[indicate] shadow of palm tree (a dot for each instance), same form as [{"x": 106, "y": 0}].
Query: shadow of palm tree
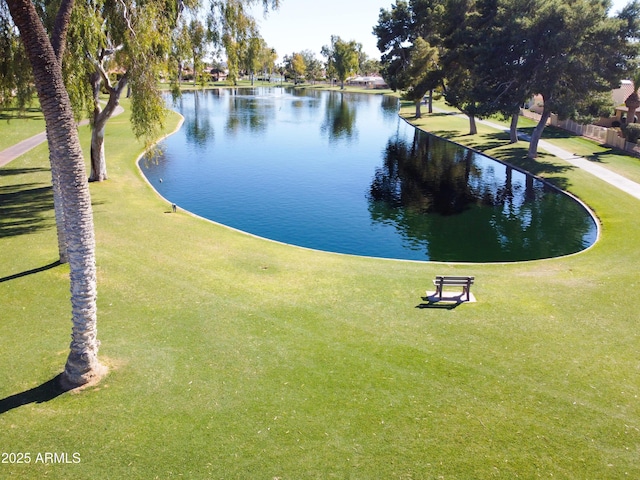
[
  {"x": 30, "y": 272},
  {"x": 40, "y": 394},
  {"x": 23, "y": 171},
  {"x": 9, "y": 114},
  {"x": 23, "y": 209}
]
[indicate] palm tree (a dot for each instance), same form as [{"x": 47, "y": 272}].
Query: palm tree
[
  {"x": 68, "y": 170},
  {"x": 633, "y": 101}
]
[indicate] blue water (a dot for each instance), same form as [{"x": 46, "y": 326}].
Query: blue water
[{"x": 343, "y": 173}]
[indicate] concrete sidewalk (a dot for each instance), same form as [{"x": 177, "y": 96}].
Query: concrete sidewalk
[
  {"x": 20, "y": 148},
  {"x": 24, "y": 146},
  {"x": 618, "y": 181}
]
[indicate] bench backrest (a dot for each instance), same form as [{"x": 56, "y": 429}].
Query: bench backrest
[{"x": 451, "y": 280}]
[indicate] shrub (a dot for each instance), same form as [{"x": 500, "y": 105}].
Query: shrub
[{"x": 632, "y": 132}]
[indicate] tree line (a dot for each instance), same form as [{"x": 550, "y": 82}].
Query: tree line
[{"x": 489, "y": 57}]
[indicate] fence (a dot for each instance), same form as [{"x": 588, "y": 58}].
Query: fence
[{"x": 606, "y": 136}]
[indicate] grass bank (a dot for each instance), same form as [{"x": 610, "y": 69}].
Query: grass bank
[{"x": 236, "y": 357}]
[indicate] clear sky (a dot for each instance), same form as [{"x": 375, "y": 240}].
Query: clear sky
[{"x": 308, "y": 25}]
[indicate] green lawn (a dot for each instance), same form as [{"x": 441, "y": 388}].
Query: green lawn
[
  {"x": 233, "y": 357},
  {"x": 17, "y": 126}
]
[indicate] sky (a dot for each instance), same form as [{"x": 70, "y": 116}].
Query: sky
[{"x": 304, "y": 25}]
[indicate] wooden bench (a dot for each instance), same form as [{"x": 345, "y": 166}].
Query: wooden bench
[{"x": 449, "y": 281}]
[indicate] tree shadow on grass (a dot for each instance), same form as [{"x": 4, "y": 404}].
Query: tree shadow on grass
[
  {"x": 24, "y": 209},
  {"x": 30, "y": 113},
  {"x": 488, "y": 141},
  {"x": 596, "y": 157},
  {"x": 40, "y": 394},
  {"x": 553, "y": 173},
  {"x": 30, "y": 272},
  {"x": 23, "y": 171}
]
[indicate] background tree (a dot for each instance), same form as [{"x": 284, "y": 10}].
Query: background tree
[
  {"x": 118, "y": 37},
  {"x": 178, "y": 56},
  {"x": 198, "y": 41},
  {"x": 252, "y": 58},
  {"x": 298, "y": 66},
  {"x": 342, "y": 58},
  {"x": 500, "y": 50},
  {"x": 398, "y": 31},
  {"x": 369, "y": 66},
  {"x": 574, "y": 49},
  {"x": 313, "y": 66},
  {"x": 460, "y": 29},
  {"x": 632, "y": 102},
  {"x": 422, "y": 62},
  {"x": 268, "y": 57},
  {"x": 16, "y": 82}
]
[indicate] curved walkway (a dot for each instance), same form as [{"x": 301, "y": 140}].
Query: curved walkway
[
  {"x": 20, "y": 148},
  {"x": 24, "y": 146},
  {"x": 617, "y": 180}
]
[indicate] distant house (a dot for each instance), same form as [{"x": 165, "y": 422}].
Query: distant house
[
  {"x": 219, "y": 74},
  {"x": 618, "y": 95},
  {"x": 373, "y": 82}
]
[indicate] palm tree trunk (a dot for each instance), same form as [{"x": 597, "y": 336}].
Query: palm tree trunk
[
  {"x": 59, "y": 216},
  {"x": 67, "y": 161}
]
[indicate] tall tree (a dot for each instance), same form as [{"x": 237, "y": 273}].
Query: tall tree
[
  {"x": 573, "y": 49},
  {"x": 395, "y": 34},
  {"x": 422, "y": 62},
  {"x": 67, "y": 164},
  {"x": 198, "y": 43},
  {"x": 410, "y": 43},
  {"x": 459, "y": 32},
  {"x": 313, "y": 66},
  {"x": 500, "y": 49},
  {"x": 253, "y": 56},
  {"x": 122, "y": 37},
  {"x": 342, "y": 57},
  {"x": 298, "y": 66}
]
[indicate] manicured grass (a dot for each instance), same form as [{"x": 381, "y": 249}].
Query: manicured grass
[
  {"x": 236, "y": 357},
  {"x": 16, "y": 126}
]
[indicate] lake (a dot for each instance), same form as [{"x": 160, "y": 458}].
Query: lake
[{"x": 341, "y": 172}]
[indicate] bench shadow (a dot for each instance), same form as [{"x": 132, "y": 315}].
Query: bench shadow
[
  {"x": 441, "y": 305},
  {"x": 40, "y": 394}
]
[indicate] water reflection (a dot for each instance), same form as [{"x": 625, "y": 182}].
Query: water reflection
[
  {"x": 197, "y": 124},
  {"x": 247, "y": 114},
  {"x": 339, "y": 118},
  {"x": 456, "y": 204},
  {"x": 341, "y": 172}
]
